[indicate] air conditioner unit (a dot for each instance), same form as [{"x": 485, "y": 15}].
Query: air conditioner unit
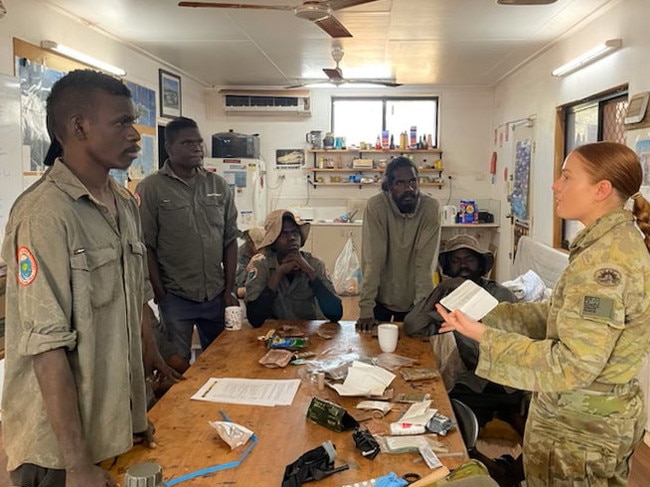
[{"x": 258, "y": 102}]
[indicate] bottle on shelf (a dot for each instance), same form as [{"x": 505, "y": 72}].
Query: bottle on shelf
[
  {"x": 429, "y": 141},
  {"x": 391, "y": 146},
  {"x": 403, "y": 138},
  {"x": 413, "y": 140},
  {"x": 378, "y": 143}
]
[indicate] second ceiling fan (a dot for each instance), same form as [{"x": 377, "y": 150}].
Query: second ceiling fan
[
  {"x": 335, "y": 75},
  {"x": 318, "y": 12}
]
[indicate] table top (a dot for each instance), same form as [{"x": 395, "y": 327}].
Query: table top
[{"x": 187, "y": 443}]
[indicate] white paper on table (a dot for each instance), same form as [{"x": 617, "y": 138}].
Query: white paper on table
[
  {"x": 471, "y": 299},
  {"x": 418, "y": 413},
  {"x": 364, "y": 380},
  {"x": 256, "y": 392}
]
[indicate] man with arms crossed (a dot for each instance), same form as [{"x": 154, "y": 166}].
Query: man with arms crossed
[
  {"x": 401, "y": 234},
  {"x": 74, "y": 389}
]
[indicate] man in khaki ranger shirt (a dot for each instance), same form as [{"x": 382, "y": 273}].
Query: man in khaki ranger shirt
[
  {"x": 74, "y": 390},
  {"x": 190, "y": 228}
]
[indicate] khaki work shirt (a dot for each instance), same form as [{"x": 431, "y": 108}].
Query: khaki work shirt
[
  {"x": 77, "y": 279},
  {"x": 188, "y": 226},
  {"x": 295, "y": 298}
]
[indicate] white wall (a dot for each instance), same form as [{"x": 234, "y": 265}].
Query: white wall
[
  {"x": 467, "y": 120},
  {"x": 533, "y": 91},
  {"x": 465, "y": 128}
]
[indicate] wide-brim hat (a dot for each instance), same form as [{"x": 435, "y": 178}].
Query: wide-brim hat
[
  {"x": 256, "y": 235},
  {"x": 273, "y": 227},
  {"x": 464, "y": 241}
]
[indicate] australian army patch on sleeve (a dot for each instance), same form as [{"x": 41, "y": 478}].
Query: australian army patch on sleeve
[
  {"x": 597, "y": 307},
  {"x": 27, "y": 266}
]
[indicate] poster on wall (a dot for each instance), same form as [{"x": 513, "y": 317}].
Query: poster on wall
[
  {"x": 36, "y": 83},
  {"x": 642, "y": 148},
  {"x": 521, "y": 186},
  {"x": 144, "y": 104}
]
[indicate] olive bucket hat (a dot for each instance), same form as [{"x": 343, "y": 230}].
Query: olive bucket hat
[
  {"x": 464, "y": 241},
  {"x": 273, "y": 227}
]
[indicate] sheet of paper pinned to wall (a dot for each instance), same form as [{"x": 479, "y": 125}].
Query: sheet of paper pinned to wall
[
  {"x": 471, "y": 299},
  {"x": 11, "y": 174}
]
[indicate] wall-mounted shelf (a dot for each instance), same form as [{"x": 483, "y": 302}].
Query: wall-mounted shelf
[
  {"x": 324, "y": 163},
  {"x": 376, "y": 151}
]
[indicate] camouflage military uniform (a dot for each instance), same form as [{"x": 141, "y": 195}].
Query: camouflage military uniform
[{"x": 580, "y": 355}]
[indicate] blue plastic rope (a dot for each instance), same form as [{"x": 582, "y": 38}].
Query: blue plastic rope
[{"x": 215, "y": 468}]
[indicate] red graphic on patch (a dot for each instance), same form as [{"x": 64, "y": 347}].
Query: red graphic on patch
[{"x": 27, "y": 266}]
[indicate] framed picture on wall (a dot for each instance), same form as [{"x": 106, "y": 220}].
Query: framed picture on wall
[
  {"x": 289, "y": 158},
  {"x": 169, "y": 90}
]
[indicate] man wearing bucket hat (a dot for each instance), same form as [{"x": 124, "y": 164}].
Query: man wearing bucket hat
[
  {"x": 284, "y": 282},
  {"x": 461, "y": 258},
  {"x": 253, "y": 238}
]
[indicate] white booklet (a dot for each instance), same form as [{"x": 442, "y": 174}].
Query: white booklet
[{"x": 471, "y": 299}]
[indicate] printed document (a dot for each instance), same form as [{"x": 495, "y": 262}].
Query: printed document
[
  {"x": 255, "y": 392},
  {"x": 471, "y": 299}
]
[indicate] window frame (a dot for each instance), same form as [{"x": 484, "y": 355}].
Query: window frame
[
  {"x": 385, "y": 99},
  {"x": 561, "y": 142}
]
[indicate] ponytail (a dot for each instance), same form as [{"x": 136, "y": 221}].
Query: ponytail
[{"x": 641, "y": 211}]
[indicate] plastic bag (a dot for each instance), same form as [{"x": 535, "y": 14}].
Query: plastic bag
[{"x": 347, "y": 271}]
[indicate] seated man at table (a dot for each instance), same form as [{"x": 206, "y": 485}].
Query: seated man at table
[
  {"x": 462, "y": 258},
  {"x": 284, "y": 282}
]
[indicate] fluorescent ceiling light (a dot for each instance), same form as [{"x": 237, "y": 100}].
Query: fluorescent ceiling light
[
  {"x": 83, "y": 58},
  {"x": 588, "y": 57}
]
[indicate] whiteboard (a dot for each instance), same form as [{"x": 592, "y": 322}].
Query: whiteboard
[{"x": 11, "y": 176}]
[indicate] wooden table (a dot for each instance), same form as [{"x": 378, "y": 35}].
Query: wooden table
[{"x": 186, "y": 442}]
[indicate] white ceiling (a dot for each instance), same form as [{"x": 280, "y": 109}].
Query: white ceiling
[{"x": 442, "y": 42}]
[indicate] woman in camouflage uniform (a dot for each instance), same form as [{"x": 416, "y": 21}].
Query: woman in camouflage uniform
[{"x": 580, "y": 352}]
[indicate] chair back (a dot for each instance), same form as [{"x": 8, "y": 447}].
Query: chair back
[{"x": 467, "y": 422}]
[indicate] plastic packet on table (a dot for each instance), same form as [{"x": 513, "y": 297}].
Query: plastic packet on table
[
  {"x": 232, "y": 433},
  {"x": 391, "y": 361},
  {"x": 411, "y": 443},
  {"x": 335, "y": 368},
  {"x": 440, "y": 424}
]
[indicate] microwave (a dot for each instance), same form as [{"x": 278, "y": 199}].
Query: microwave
[{"x": 232, "y": 144}]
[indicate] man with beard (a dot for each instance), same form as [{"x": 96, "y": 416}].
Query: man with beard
[
  {"x": 461, "y": 258},
  {"x": 190, "y": 229},
  {"x": 401, "y": 234},
  {"x": 284, "y": 282}
]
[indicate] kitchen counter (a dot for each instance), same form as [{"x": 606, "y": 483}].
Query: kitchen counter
[{"x": 338, "y": 224}]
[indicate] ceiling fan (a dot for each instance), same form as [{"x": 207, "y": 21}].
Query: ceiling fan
[
  {"x": 335, "y": 75},
  {"x": 319, "y": 12}
]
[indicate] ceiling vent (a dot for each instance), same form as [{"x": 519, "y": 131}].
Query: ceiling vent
[{"x": 266, "y": 102}]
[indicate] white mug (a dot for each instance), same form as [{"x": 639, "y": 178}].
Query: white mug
[
  {"x": 387, "y": 334},
  {"x": 448, "y": 214},
  {"x": 233, "y": 318}
]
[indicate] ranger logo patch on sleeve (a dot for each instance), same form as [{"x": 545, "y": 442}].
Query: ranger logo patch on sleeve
[
  {"x": 607, "y": 276},
  {"x": 597, "y": 307}
]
